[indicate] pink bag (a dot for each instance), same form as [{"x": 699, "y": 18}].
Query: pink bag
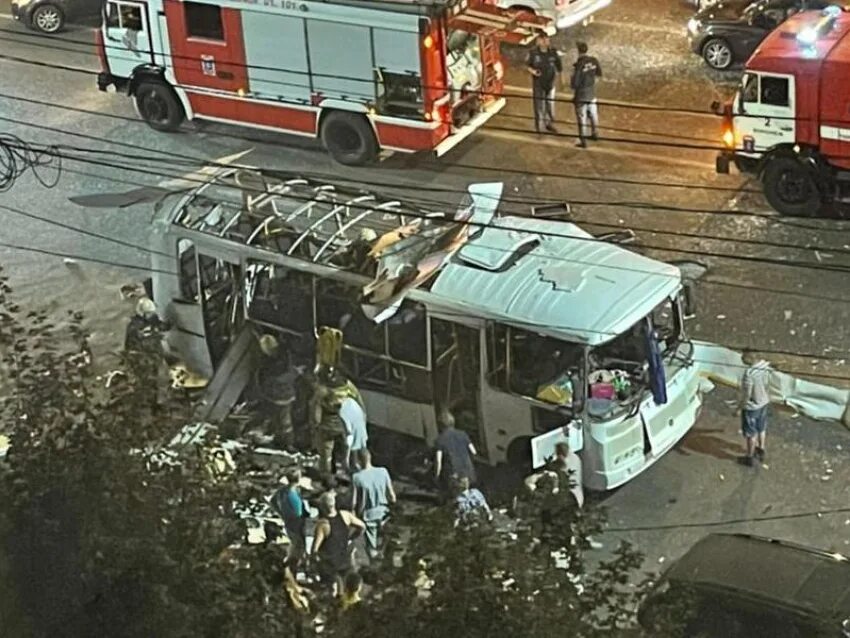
[{"x": 602, "y": 391}]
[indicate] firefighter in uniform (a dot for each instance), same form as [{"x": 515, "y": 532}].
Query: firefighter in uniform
[
  {"x": 143, "y": 347},
  {"x": 276, "y": 381},
  {"x": 330, "y": 390},
  {"x": 145, "y": 330}
]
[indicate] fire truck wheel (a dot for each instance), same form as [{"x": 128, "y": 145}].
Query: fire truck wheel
[
  {"x": 48, "y": 18},
  {"x": 790, "y": 187},
  {"x": 158, "y": 106},
  {"x": 717, "y": 54},
  {"x": 349, "y": 138}
]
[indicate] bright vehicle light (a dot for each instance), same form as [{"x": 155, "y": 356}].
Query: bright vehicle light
[
  {"x": 428, "y": 42},
  {"x": 729, "y": 138},
  {"x": 808, "y": 36},
  {"x": 693, "y": 26}
]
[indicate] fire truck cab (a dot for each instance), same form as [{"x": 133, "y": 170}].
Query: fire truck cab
[
  {"x": 361, "y": 75},
  {"x": 789, "y": 122}
]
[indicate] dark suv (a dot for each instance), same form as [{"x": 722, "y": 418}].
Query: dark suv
[
  {"x": 50, "y": 16},
  {"x": 741, "y": 586},
  {"x": 728, "y": 32}
]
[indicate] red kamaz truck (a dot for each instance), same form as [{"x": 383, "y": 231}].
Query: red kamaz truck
[{"x": 789, "y": 122}]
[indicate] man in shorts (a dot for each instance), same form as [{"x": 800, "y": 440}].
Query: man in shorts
[{"x": 754, "y": 401}]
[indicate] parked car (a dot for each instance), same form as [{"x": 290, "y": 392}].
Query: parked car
[
  {"x": 51, "y": 16},
  {"x": 727, "y": 32},
  {"x": 563, "y": 13},
  {"x": 741, "y": 586}
]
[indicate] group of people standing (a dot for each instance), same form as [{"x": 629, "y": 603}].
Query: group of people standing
[
  {"x": 330, "y": 553},
  {"x": 545, "y": 66}
]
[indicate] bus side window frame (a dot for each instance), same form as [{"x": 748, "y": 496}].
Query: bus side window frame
[{"x": 194, "y": 291}]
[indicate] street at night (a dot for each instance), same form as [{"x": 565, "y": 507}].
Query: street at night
[{"x": 770, "y": 283}]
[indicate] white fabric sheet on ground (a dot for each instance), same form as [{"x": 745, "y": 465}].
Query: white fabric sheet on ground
[{"x": 815, "y": 400}]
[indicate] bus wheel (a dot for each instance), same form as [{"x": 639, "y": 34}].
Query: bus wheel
[
  {"x": 158, "y": 106},
  {"x": 349, "y": 138},
  {"x": 790, "y": 187}
]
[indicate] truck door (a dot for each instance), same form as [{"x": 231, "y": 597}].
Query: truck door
[
  {"x": 766, "y": 111},
  {"x": 207, "y": 46},
  {"x": 127, "y": 35}
]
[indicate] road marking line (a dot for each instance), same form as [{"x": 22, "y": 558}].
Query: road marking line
[
  {"x": 512, "y": 88},
  {"x": 6, "y": 16},
  {"x": 567, "y": 144}
]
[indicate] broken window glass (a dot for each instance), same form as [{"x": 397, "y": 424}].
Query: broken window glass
[
  {"x": 338, "y": 306},
  {"x": 281, "y": 297},
  {"x": 188, "y": 270},
  {"x": 456, "y": 374},
  {"x": 667, "y": 321},
  {"x": 617, "y": 375},
  {"x": 222, "y": 302},
  {"x": 407, "y": 334},
  {"x": 525, "y": 363}
]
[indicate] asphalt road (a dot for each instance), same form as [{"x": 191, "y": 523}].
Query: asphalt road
[{"x": 645, "y": 174}]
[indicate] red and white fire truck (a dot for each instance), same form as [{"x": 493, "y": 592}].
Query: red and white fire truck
[
  {"x": 361, "y": 75},
  {"x": 789, "y": 122}
]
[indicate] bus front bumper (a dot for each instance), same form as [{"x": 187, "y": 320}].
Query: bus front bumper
[{"x": 462, "y": 132}]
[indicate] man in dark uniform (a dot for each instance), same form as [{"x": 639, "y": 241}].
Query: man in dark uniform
[
  {"x": 544, "y": 65},
  {"x": 145, "y": 330},
  {"x": 143, "y": 348},
  {"x": 276, "y": 382}
]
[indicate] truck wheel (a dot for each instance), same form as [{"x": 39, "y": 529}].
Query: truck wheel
[
  {"x": 158, "y": 106},
  {"x": 523, "y": 13},
  {"x": 349, "y": 138},
  {"x": 790, "y": 187},
  {"x": 717, "y": 54}
]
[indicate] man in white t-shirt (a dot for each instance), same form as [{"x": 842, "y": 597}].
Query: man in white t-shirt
[
  {"x": 373, "y": 494},
  {"x": 354, "y": 418}
]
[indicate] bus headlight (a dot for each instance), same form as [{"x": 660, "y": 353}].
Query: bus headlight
[{"x": 729, "y": 138}]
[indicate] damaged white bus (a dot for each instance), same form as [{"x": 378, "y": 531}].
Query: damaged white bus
[{"x": 530, "y": 331}]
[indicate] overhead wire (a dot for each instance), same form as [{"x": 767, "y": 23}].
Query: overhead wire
[
  {"x": 666, "y": 249},
  {"x": 365, "y": 97},
  {"x": 242, "y": 137},
  {"x": 351, "y": 79},
  {"x": 638, "y": 142},
  {"x": 783, "y": 262},
  {"x": 506, "y": 199},
  {"x": 726, "y": 284},
  {"x": 370, "y": 81},
  {"x": 727, "y": 522},
  {"x": 822, "y": 357},
  {"x": 428, "y": 202},
  {"x": 17, "y": 157}
]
